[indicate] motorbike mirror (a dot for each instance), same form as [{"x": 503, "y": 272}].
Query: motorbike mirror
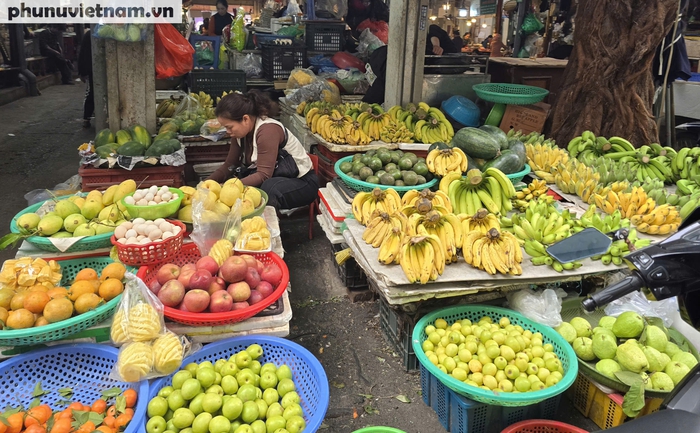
[{"x": 586, "y": 243}]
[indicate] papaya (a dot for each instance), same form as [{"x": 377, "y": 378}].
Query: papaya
[
  {"x": 189, "y": 127},
  {"x": 141, "y": 135},
  {"x": 169, "y": 127},
  {"x": 103, "y": 137},
  {"x": 165, "y": 135},
  {"x": 131, "y": 148},
  {"x": 123, "y": 136},
  {"x": 107, "y": 149}
]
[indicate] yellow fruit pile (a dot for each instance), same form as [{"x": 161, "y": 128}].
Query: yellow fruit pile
[
  {"x": 543, "y": 159},
  {"x": 254, "y": 235},
  {"x": 662, "y": 220},
  {"x": 218, "y": 199},
  {"x": 443, "y": 161},
  {"x": 493, "y": 252}
]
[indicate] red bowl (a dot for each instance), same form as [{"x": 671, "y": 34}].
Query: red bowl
[
  {"x": 345, "y": 60},
  {"x": 190, "y": 254}
]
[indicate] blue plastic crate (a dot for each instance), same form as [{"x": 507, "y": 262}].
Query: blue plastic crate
[{"x": 458, "y": 414}]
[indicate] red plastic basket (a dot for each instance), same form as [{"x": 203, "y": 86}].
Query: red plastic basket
[
  {"x": 190, "y": 254},
  {"x": 542, "y": 426},
  {"x": 154, "y": 252}
]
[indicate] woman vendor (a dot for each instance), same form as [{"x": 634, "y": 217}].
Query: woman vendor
[{"x": 220, "y": 19}]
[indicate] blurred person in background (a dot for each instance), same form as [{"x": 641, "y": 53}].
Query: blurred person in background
[
  {"x": 50, "y": 47},
  {"x": 220, "y": 19}
]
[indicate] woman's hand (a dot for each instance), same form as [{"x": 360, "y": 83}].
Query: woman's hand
[{"x": 437, "y": 49}]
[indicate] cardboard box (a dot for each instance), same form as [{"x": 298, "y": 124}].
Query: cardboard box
[{"x": 525, "y": 118}]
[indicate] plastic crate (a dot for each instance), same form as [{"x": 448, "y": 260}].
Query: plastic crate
[
  {"x": 606, "y": 410},
  {"x": 103, "y": 178},
  {"x": 280, "y": 60},
  {"x": 652, "y": 405},
  {"x": 460, "y": 414},
  {"x": 398, "y": 332},
  {"x": 349, "y": 272},
  {"x": 265, "y": 38},
  {"x": 581, "y": 394},
  {"x": 206, "y": 154},
  {"x": 215, "y": 82},
  {"x": 325, "y": 36}
]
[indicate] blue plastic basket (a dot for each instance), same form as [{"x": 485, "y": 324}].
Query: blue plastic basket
[
  {"x": 307, "y": 372},
  {"x": 83, "y": 367}
]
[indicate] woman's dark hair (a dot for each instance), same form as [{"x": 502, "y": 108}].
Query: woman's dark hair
[
  {"x": 205, "y": 22},
  {"x": 223, "y": 3},
  {"x": 235, "y": 105}
]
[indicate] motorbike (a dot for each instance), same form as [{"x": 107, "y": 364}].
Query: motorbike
[{"x": 668, "y": 268}]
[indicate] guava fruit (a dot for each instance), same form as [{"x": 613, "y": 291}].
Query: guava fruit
[
  {"x": 661, "y": 381},
  {"x": 676, "y": 371},
  {"x": 606, "y": 322},
  {"x": 631, "y": 357},
  {"x": 567, "y": 331},
  {"x": 582, "y": 326},
  {"x": 608, "y": 367},
  {"x": 656, "y": 338},
  {"x": 686, "y": 358},
  {"x": 583, "y": 346},
  {"x": 604, "y": 346},
  {"x": 628, "y": 325},
  {"x": 671, "y": 349},
  {"x": 656, "y": 359}
]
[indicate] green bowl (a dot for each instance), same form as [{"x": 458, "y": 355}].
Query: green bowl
[
  {"x": 517, "y": 177},
  {"x": 162, "y": 210},
  {"x": 379, "y": 430}
]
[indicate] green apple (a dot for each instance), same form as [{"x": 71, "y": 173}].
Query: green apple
[
  {"x": 165, "y": 391},
  {"x": 295, "y": 424},
  {"x": 219, "y": 424},
  {"x": 268, "y": 366},
  {"x": 201, "y": 423},
  {"x": 522, "y": 384},
  {"x": 158, "y": 406},
  {"x": 291, "y": 411},
  {"x": 284, "y": 372},
  {"x": 255, "y": 351},
  {"x": 290, "y": 398},
  {"x": 171, "y": 427},
  {"x": 274, "y": 423},
  {"x": 183, "y": 418},
  {"x": 196, "y": 404},
  {"x": 268, "y": 380},
  {"x": 243, "y": 428},
  {"x": 229, "y": 384},
  {"x": 247, "y": 392},
  {"x": 180, "y": 377},
  {"x": 156, "y": 424},
  {"x": 215, "y": 389},
  {"x": 175, "y": 400},
  {"x": 206, "y": 364},
  {"x": 245, "y": 377},
  {"x": 190, "y": 388},
  {"x": 250, "y": 412},
  {"x": 232, "y": 408},
  {"x": 235, "y": 425},
  {"x": 206, "y": 376},
  {"x": 192, "y": 368},
  {"x": 243, "y": 359},
  {"x": 212, "y": 402},
  {"x": 255, "y": 366},
  {"x": 229, "y": 369},
  {"x": 258, "y": 426},
  {"x": 284, "y": 386},
  {"x": 274, "y": 409},
  {"x": 262, "y": 408},
  {"x": 217, "y": 378},
  {"x": 219, "y": 364}
]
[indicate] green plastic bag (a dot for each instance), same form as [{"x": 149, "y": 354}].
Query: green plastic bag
[
  {"x": 531, "y": 24},
  {"x": 238, "y": 33},
  {"x": 204, "y": 52}
]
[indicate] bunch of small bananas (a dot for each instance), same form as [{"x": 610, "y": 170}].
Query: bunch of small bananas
[
  {"x": 422, "y": 258},
  {"x": 395, "y": 132},
  {"x": 688, "y": 204},
  {"x": 577, "y": 178},
  {"x": 365, "y": 203},
  {"x": 482, "y": 221},
  {"x": 621, "y": 247},
  {"x": 535, "y": 189},
  {"x": 428, "y": 124},
  {"x": 543, "y": 158},
  {"x": 373, "y": 121},
  {"x": 225, "y": 93},
  {"x": 490, "y": 189},
  {"x": 443, "y": 161},
  {"x": 644, "y": 164},
  {"x": 662, "y": 220},
  {"x": 447, "y": 227},
  {"x": 630, "y": 204},
  {"x": 166, "y": 108},
  {"x": 333, "y": 127},
  {"x": 381, "y": 225},
  {"x": 687, "y": 186},
  {"x": 493, "y": 252},
  {"x": 541, "y": 222},
  {"x": 438, "y": 198},
  {"x": 531, "y": 138},
  {"x": 390, "y": 249},
  {"x": 588, "y": 145},
  {"x": 686, "y": 163},
  {"x": 612, "y": 170},
  {"x": 539, "y": 256},
  {"x": 354, "y": 135},
  {"x": 203, "y": 99},
  {"x": 606, "y": 224},
  {"x": 422, "y": 206}
]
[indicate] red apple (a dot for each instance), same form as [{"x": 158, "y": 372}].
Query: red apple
[
  {"x": 196, "y": 300},
  {"x": 272, "y": 274},
  {"x": 252, "y": 278},
  {"x": 220, "y": 302},
  {"x": 155, "y": 287},
  {"x": 201, "y": 279},
  {"x": 208, "y": 263},
  {"x": 167, "y": 272},
  {"x": 250, "y": 260},
  {"x": 182, "y": 307},
  {"x": 172, "y": 293},
  {"x": 239, "y": 291},
  {"x": 240, "y": 305},
  {"x": 261, "y": 266},
  {"x": 233, "y": 269},
  {"x": 217, "y": 283},
  {"x": 255, "y": 297},
  {"x": 265, "y": 288},
  {"x": 185, "y": 274}
]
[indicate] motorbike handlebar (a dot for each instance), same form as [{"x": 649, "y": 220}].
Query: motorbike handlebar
[{"x": 627, "y": 285}]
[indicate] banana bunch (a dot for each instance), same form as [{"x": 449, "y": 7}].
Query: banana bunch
[
  {"x": 447, "y": 227},
  {"x": 422, "y": 258},
  {"x": 588, "y": 144},
  {"x": 541, "y": 222},
  {"x": 612, "y": 170},
  {"x": 531, "y": 138},
  {"x": 372, "y": 125},
  {"x": 203, "y": 99},
  {"x": 299, "y": 110},
  {"x": 354, "y": 109},
  {"x": 655, "y": 189},
  {"x": 490, "y": 189},
  {"x": 539, "y": 256},
  {"x": 690, "y": 204},
  {"x": 381, "y": 225},
  {"x": 630, "y": 204},
  {"x": 574, "y": 177},
  {"x": 225, "y": 93},
  {"x": 354, "y": 135},
  {"x": 535, "y": 189},
  {"x": 321, "y": 105},
  {"x": 443, "y": 161},
  {"x": 395, "y": 132},
  {"x": 482, "y": 221},
  {"x": 686, "y": 163},
  {"x": 166, "y": 108},
  {"x": 422, "y": 206},
  {"x": 435, "y": 128},
  {"x": 621, "y": 247},
  {"x": 608, "y": 223},
  {"x": 521, "y": 205},
  {"x": 645, "y": 164},
  {"x": 493, "y": 252},
  {"x": 662, "y": 220},
  {"x": 333, "y": 127},
  {"x": 687, "y": 186},
  {"x": 390, "y": 249},
  {"x": 438, "y": 198},
  {"x": 365, "y": 203},
  {"x": 543, "y": 158}
]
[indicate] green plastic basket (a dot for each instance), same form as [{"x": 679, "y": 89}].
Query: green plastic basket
[
  {"x": 65, "y": 328},
  {"x": 87, "y": 243},
  {"x": 359, "y": 185},
  {"x": 162, "y": 210},
  {"x": 379, "y": 430},
  {"x": 517, "y": 177},
  {"x": 475, "y": 312},
  {"x": 511, "y": 94},
  {"x": 572, "y": 308}
]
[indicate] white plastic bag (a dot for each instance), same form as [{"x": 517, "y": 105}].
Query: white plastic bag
[
  {"x": 543, "y": 307},
  {"x": 292, "y": 8},
  {"x": 636, "y": 301},
  {"x": 210, "y": 222}
]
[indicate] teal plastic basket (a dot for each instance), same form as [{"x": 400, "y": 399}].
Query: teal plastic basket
[
  {"x": 475, "y": 312},
  {"x": 359, "y": 185},
  {"x": 87, "y": 243},
  {"x": 65, "y": 328},
  {"x": 511, "y": 94},
  {"x": 517, "y": 177}
]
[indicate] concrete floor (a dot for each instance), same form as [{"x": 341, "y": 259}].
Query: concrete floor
[{"x": 38, "y": 149}]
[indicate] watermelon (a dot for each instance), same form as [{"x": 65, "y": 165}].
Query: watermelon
[
  {"x": 499, "y": 135},
  {"x": 476, "y": 143}
]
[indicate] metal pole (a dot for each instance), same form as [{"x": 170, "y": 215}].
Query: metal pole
[
  {"x": 522, "y": 9},
  {"x": 99, "y": 77},
  {"x": 18, "y": 58}
]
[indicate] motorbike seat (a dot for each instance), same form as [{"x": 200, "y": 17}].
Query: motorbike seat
[{"x": 661, "y": 421}]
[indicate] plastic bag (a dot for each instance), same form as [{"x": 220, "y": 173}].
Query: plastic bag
[
  {"x": 148, "y": 349},
  {"x": 541, "y": 306},
  {"x": 331, "y": 9},
  {"x": 353, "y": 81},
  {"x": 292, "y": 8},
  {"x": 204, "y": 53},
  {"x": 531, "y": 24},
  {"x": 188, "y": 105},
  {"x": 120, "y": 32},
  {"x": 223, "y": 57},
  {"x": 238, "y": 32},
  {"x": 368, "y": 43},
  {"x": 304, "y": 85},
  {"x": 21, "y": 274},
  {"x": 172, "y": 52},
  {"x": 252, "y": 65},
  {"x": 212, "y": 130},
  {"x": 636, "y": 301},
  {"x": 380, "y": 29},
  {"x": 69, "y": 187},
  {"x": 210, "y": 222}
]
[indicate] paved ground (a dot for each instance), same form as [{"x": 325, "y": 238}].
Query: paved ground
[{"x": 38, "y": 141}]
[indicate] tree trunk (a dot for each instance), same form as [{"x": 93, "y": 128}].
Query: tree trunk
[{"x": 608, "y": 84}]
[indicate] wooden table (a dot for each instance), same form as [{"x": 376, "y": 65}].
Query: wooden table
[{"x": 546, "y": 73}]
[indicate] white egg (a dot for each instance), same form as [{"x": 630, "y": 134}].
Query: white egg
[
  {"x": 142, "y": 202},
  {"x": 159, "y": 221},
  {"x": 138, "y": 221},
  {"x": 176, "y": 229},
  {"x": 131, "y": 233},
  {"x": 139, "y": 237},
  {"x": 145, "y": 241},
  {"x": 138, "y": 195},
  {"x": 131, "y": 240},
  {"x": 146, "y": 229},
  {"x": 122, "y": 241},
  {"x": 129, "y": 200},
  {"x": 127, "y": 224},
  {"x": 165, "y": 227},
  {"x": 167, "y": 235},
  {"x": 164, "y": 189},
  {"x": 175, "y": 196},
  {"x": 158, "y": 240},
  {"x": 120, "y": 231},
  {"x": 153, "y": 189},
  {"x": 149, "y": 196},
  {"x": 158, "y": 199},
  {"x": 152, "y": 203},
  {"x": 155, "y": 234},
  {"x": 167, "y": 196}
]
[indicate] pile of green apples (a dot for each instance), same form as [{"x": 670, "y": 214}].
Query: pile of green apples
[
  {"x": 493, "y": 355},
  {"x": 231, "y": 395}
]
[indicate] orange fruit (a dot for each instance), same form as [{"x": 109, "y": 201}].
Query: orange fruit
[
  {"x": 87, "y": 302},
  {"x": 122, "y": 420},
  {"x": 110, "y": 289},
  {"x": 3, "y": 428},
  {"x": 109, "y": 421},
  {"x": 113, "y": 270},
  {"x": 3, "y": 315},
  {"x": 112, "y": 411},
  {"x": 18, "y": 300},
  {"x": 38, "y": 288},
  {"x": 58, "y": 309},
  {"x": 41, "y": 321},
  {"x": 42, "y": 413},
  {"x": 35, "y": 428},
  {"x": 86, "y": 274},
  {"x": 88, "y": 427},
  {"x": 16, "y": 422},
  {"x": 62, "y": 425},
  {"x": 20, "y": 319},
  {"x": 58, "y": 292},
  {"x": 80, "y": 287},
  {"x": 130, "y": 396},
  {"x": 103, "y": 429},
  {"x": 36, "y": 301},
  {"x": 99, "y": 406},
  {"x": 6, "y": 295}
]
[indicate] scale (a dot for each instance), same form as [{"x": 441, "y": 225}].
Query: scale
[{"x": 502, "y": 94}]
